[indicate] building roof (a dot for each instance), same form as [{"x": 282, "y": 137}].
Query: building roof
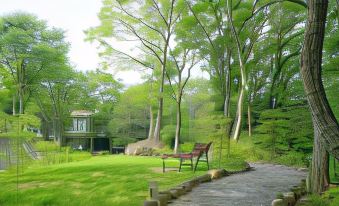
[{"x": 81, "y": 113}]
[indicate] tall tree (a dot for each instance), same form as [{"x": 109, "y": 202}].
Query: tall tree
[
  {"x": 184, "y": 59},
  {"x": 248, "y": 31},
  {"x": 28, "y": 49},
  {"x": 215, "y": 36},
  {"x": 325, "y": 124},
  {"x": 151, "y": 25}
]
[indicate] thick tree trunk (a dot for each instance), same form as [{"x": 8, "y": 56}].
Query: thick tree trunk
[
  {"x": 319, "y": 174},
  {"x": 178, "y": 128},
  {"x": 151, "y": 119},
  {"x": 311, "y": 59}
]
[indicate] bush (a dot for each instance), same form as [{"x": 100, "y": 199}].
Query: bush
[
  {"x": 292, "y": 158},
  {"x": 168, "y": 135},
  {"x": 122, "y": 141}
]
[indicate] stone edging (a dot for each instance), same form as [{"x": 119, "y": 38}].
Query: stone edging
[
  {"x": 291, "y": 198},
  {"x": 165, "y": 197}
]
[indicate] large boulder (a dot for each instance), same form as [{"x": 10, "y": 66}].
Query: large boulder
[{"x": 143, "y": 147}]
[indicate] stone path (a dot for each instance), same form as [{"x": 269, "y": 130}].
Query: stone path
[
  {"x": 255, "y": 188},
  {"x": 5, "y": 150}
]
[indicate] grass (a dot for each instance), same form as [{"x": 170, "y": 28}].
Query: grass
[
  {"x": 101, "y": 180},
  {"x": 329, "y": 198}
]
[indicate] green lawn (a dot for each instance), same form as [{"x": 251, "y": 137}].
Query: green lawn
[{"x": 101, "y": 180}]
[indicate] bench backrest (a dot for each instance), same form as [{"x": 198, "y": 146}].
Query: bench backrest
[{"x": 201, "y": 148}]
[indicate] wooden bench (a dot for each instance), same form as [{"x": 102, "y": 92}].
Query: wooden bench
[{"x": 200, "y": 152}]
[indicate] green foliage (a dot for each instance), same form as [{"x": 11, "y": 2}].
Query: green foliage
[
  {"x": 285, "y": 129},
  {"x": 130, "y": 117},
  {"x": 292, "y": 158},
  {"x": 168, "y": 135},
  {"x": 52, "y": 153},
  {"x": 122, "y": 141}
]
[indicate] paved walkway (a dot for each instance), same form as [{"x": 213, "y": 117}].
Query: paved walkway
[
  {"x": 5, "y": 150},
  {"x": 255, "y": 188}
]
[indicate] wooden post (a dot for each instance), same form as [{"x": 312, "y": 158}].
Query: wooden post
[
  {"x": 110, "y": 145},
  {"x": 153, "y": 190},
  {"x": 92, "y": 145}
]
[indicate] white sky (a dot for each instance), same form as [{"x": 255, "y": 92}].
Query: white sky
[{"x": 73, "y": 16}]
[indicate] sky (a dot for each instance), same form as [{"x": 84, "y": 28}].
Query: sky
[{"x": 73, "y": 16}]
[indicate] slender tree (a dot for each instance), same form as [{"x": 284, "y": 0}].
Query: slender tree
[{"x": 151, "y": 25}]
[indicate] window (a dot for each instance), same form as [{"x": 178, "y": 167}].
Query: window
[{"x": 79, "y": 124}]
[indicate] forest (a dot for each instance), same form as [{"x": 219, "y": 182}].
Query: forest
[{"x": 258, "y": 78}]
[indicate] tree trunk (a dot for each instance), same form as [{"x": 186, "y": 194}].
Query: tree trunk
[
  {"x": 240, "y": 106},
  {"x": 151, "y": 119},
  {"x": 319, "y": 174},
  {"x": 161, "y": 98},
  {"x": 45, "y": 129},
  {"x": 158, "y": 122},
  {"x": 58, "y": 130},
  {"x": 14, "y": 105},
  {"x": 21, "y": 100},
  {"x": 227, "y": 103},
  {"x": 311, "y": 59},
  {"x": 178, "y": 128},
  {"x": 249, "y": 119}
]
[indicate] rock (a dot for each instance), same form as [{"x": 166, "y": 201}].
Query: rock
[
  {"x": 289, "y": 198},
  {"x": 187, "y": 187},
  {"x": 180, "y": 189},
  {"x": 303, "y": 201},
  {"x": 248, "y": 167},
  {"x": 174, "y": 193},
  {"x": 303, "y": 169},
  {"x": 167, "y": 193},
  {"x": 297, "y": 191},
  {"x": 137, "y": 151},
  {"x": 279, "y": 202},
  {"x": 204, "y": 178},
  {"x": 162, "y": 198},
  {"x": 138, "y": 148},
  {"x": 151, "y": 203},
  {"x": 217, "y": 173}
]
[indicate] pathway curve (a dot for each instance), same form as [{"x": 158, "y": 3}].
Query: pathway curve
[{"x": 255, "y": 188}]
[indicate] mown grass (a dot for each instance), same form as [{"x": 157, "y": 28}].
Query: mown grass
[{"x": 101, "y": 180}]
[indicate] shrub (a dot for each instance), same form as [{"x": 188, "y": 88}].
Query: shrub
[{"x": 168, "y": 135}]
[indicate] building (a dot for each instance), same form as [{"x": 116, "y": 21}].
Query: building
[{"x": 82, "y": 134}]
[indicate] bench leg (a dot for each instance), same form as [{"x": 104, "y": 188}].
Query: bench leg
[
  {"x": 208, "y": 165},
  {"x": 192, "y": 163},
  {"x": 180, "y": 164},
  {"x": 196, "y": 164},
  {"x": 163, "y": 165}
]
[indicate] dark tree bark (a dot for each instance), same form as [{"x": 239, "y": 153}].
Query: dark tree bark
[
  {"x": 323, "y": 118},
  {"x": 319, "y": 174}
]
